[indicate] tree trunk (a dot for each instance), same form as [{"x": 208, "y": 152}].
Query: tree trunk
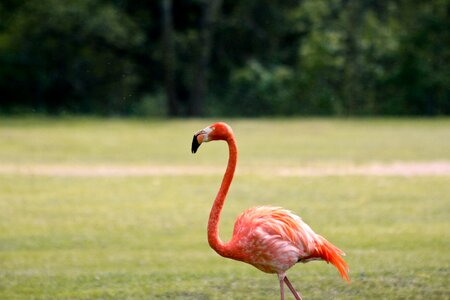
[
  {"x": 169, "y": 59},
  {"x": 352, "y": 87},
  {"x": 211, "y": 10}
]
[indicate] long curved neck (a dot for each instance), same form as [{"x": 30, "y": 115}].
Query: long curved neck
[{"x": 213, "y": 224}]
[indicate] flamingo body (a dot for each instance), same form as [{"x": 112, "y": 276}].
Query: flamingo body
[
  {"x": 274, "y": 239},
  {"x": 270, "y": 238}
]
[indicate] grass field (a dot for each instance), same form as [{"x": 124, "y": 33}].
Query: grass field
[{"x": 144, "y": 237}]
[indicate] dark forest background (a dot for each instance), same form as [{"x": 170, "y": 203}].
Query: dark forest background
[{"x": 225, "y": 57}]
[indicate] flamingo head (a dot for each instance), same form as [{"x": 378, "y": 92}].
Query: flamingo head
[{"x": 214, "y": 132}]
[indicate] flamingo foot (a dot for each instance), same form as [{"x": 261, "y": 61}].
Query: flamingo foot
[{"x": 294, "y": 292}]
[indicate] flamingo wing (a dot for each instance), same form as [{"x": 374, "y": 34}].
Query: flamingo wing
[
  {"x": 271, "y": 238},
  {"x": 274, "y": 239}
]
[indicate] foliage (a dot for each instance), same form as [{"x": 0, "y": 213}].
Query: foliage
[
  {"x": 320, "y": 57},
  {"x": 69, "y": 56}
]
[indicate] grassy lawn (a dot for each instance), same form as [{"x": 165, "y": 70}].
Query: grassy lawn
[
  {"x": 145, "y": 237},
  {"x": 261, "y": 142}
]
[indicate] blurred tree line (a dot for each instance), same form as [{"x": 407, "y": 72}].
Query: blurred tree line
[{"x": 225, "y": 57}]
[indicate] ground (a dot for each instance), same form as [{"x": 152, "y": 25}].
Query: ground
[{"x": 117, "y": 209}]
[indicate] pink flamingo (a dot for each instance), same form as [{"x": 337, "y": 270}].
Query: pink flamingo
[{"x": 270, "y": 238}]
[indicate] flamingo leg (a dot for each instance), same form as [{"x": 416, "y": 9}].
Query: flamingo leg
[
  {"x": 294, "y": 292},
  {"x": 282, "y": 289},
  {"x": 281, "y": 280}
]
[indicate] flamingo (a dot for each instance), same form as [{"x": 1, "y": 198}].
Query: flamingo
[{"x": 271, "y": 239}]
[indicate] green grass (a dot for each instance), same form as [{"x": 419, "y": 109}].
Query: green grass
[
  {"x": 145, "y": 237},
  {"x": 261, "y": 142}
]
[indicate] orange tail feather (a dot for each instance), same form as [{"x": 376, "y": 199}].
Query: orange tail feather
[{"x": 332, "y": 254}]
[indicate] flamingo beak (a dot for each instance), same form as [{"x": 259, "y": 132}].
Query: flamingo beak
[
  {"x": 196, "y": 142},
  {"x": 200, "y": 137}
]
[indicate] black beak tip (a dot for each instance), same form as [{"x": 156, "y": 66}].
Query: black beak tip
[{"x": 195, "y": 144}]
